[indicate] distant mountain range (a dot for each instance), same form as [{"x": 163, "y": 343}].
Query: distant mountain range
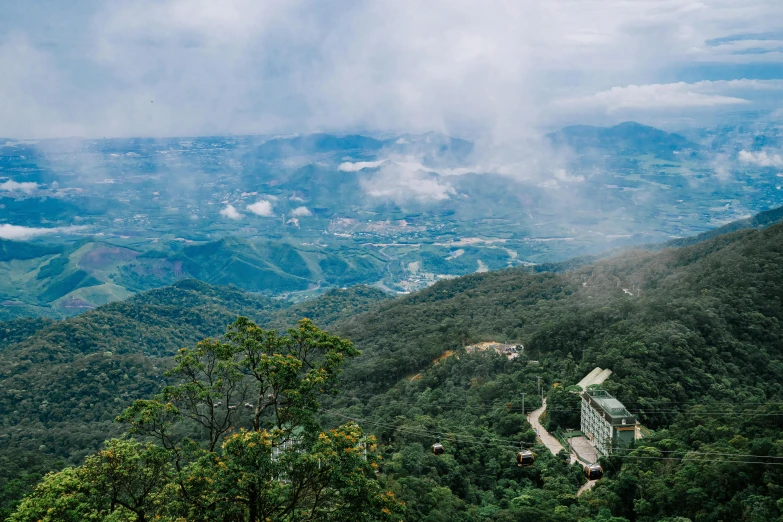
[
  {"x": 122, "y": 216},
  {"x": 52, "y": 280},
  {"x": 434, "y": 148},
  {"x": 622, "y": 138}
]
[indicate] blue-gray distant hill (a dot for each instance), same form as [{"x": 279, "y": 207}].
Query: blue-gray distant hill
[
  {"x": 623, "y": 138},
  {"x": 433, "y": 147},
  {"x": 314, "y": 144}
]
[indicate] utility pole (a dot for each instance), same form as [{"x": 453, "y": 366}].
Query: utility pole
[
  {"x": 539, "y": 387},
  {"x": 523, "y": 404}
]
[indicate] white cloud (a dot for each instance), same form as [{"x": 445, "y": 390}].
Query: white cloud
[
  {"x": 230, "y": 212},
  {"x": 261, "y": 208},
  {"x": 459, "y": 66},
  {"x": 761, "y": 158},
  {"x": 564, "y": 176},
  {"x": 401, "y": 182},
  {"x": 14, "y": 186},
  {"x": 653, "y": 96},
  {"x": 413, "y": 164},
  {"x": 348, "y": 166},
  {"x": 744, "y": 83},
  {"x": 19, "y": 232},
  {"x": 301, "y": 211}
]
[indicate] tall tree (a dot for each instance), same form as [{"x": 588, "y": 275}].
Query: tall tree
[{"x": 219, "y": 456}]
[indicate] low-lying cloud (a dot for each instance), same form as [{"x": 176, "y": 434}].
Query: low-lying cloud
[
  {"x": 402, "y": 182},
  {"x": 301, "y": 212},
  {"x": 15, "y": 186},
  {"x": 19, "y": 232},
  {"x": 761, "y": 158},
  {"x": 261, "y": 208},
  {"x": 230, "y": 212},
  {"x": 349, "y": 166}
]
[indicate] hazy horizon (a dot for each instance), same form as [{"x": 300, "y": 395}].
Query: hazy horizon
[{"x": 501, "y": 71}]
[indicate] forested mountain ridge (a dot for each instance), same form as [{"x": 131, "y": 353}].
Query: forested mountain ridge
[
  {"x": 693, "y": 335},
  {"x": 62, "y": 383},
  {"x": 532, "y": 308},
  {"x": 681, "y": 328}
]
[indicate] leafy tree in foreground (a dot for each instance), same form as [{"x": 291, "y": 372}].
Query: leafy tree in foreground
[
  {"x": 235, "y": 439},
  {"x": 125, "y": 481}
]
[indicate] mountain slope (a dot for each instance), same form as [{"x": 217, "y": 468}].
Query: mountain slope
[
  {"x": 313, "y": 144},
  {"x": 574, "y": 312},
  {"x": 23, "y": 250},
  {"x": 694, "y": 336},
  {"x": 56, "y": 281},
  {"x": 758, "y": 221},
  {"x": 627, "y": 136},
  {"x": 684, "y": 330},
  {"x": 42, "y": 359}
]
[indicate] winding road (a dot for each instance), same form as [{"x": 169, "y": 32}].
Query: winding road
[
  {"x": 553, "y": 444},
  {"x": 546, "y": 438}
]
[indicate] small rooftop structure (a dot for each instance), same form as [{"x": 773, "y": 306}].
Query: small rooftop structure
[
  {"x": 611, "y": 408},
  {"x": 595, "y": 377}
]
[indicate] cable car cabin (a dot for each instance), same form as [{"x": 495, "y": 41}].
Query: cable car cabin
[
  {"x": 593, "y": 472},
  {"x": 525, "y": 458},
  {"x": 437, "y": 448}
]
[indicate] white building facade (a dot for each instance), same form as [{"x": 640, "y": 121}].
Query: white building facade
[{"x": 606, "y": 422}]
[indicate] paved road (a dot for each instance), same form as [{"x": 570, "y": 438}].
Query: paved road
[
  {"x": 587, "y": 487},
  {"x": 583, "y": 450},
  {"x": 553, "y": 444},
  {"x": 548, "y": 440}
]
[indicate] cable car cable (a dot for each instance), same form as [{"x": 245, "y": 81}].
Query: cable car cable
[{"x": 506, "y": 445}]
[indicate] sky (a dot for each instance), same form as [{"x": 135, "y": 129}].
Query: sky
[{"x": 497, "y": 69}]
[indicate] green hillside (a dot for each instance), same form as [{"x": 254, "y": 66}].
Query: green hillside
[
  {"x": 23, "y": 250},
  {"x": 39, "y": 280},
  {"x": 233, "y": 261},
  {"x": 693, "y": 335},
  {"x": 64, "y": 382},
  {"x": 57, "y": 281},
  {"x": 695, "y": 344}
]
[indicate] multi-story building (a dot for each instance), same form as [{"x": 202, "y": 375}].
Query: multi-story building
[{"x": 606, "y": 422}]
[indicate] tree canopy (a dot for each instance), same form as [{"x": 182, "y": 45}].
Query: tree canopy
[{"x": 236, "y": 438}]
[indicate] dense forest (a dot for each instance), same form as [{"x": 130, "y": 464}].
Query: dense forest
[
  {"x": 692, "y": 333},
  {"x": 64, "y": 382}
]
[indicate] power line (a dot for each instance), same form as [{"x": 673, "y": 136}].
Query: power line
[
  {"x": 507, "y": 443},
  {"x": 497, "y": 442},
  {"x": 689, "y": 452},
  {"x": 727, "y": 461},
  {"x": 497, "y": 402},
  {"x": 455, "y": 406}
]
